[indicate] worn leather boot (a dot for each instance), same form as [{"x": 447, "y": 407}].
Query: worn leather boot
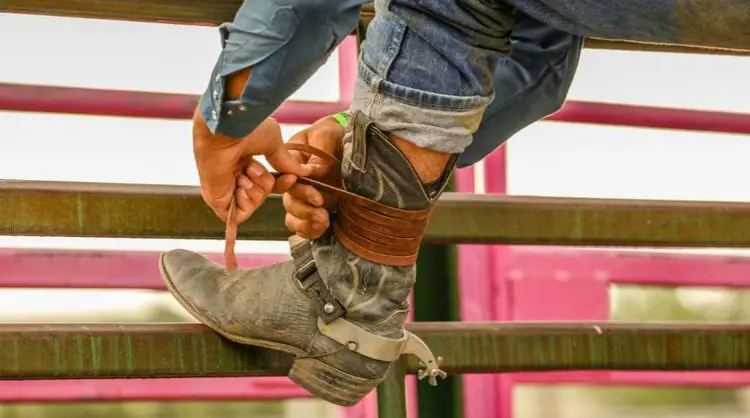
[{"x": 339, "y": 313}]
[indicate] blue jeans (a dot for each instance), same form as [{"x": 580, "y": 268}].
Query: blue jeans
[{"x": 474, "y": 90}]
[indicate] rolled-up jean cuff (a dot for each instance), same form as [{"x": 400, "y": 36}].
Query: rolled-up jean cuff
[{"x": 428, "y": 120}]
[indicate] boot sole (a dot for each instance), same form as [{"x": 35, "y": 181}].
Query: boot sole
[{"x": 318, "y": 378}]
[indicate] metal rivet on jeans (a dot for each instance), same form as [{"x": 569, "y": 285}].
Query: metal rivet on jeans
[
  {"x": 243, "y": 108},
  {"x": 352, "y": 346},
  {"x": 329, "y": 308}
]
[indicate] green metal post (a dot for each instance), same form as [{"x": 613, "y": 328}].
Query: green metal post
[
  {"x": 436, "y": 299},
  {"x": 392, "y": 392}
]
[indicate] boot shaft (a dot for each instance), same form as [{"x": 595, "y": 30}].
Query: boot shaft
[
  {"x": 373, "y": 294},
  {"x": 374, "y": 168}
]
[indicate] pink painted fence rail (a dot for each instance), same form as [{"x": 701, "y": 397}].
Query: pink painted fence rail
[{"x": 530, "y": 283}]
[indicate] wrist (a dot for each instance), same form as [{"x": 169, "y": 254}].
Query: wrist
[
  {"x": 206, "y": 141},
  {"x": 342, "y": 118}
]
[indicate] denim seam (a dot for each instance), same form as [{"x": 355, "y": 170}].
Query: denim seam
[{"x": 394, "y": 47}]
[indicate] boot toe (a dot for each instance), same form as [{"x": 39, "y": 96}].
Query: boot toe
[{"x": 195, "y": 282}]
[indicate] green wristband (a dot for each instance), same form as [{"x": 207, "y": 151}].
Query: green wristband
[{"x": 341, "y": 117}]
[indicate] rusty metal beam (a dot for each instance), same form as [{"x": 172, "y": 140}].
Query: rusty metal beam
[
  {"x": 195, "y": 12},
  {"x": 37, "y": 351},
  {"x": 146, "y": 211},
  {"x": 619, "y": 45},
  {"x": 368, "y": 13}
]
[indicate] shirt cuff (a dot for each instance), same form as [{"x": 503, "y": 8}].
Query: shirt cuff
[{"x": 229, "y": 117}]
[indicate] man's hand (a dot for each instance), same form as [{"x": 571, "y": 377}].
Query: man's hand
[
  {"x": 306, "y": 207},
  {"x": 227, "y": 169}
]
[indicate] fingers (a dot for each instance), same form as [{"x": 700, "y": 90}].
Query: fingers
[
  {"x": 299, "y": 138},
  {"x": 220, "y": 207},
  {"x": 284, "y": 183},
  {"x": 254, "y": 184},
  {"x": 266, "y": 140},
  {"x": 260, "y": 176},
  {"x": 253, "y": 187},
  {"x": 307, "y": 194},
  {"x": 327, "y": 136},
  {"x": 304, "y": 218}
]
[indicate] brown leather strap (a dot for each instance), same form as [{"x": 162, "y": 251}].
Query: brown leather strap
[{"x": 369, "y": 229}]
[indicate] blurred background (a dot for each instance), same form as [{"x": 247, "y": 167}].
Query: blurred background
[{"x": 548, "y": 158}]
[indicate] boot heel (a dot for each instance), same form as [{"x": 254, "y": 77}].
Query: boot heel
[{"x": 330, "y": 383}]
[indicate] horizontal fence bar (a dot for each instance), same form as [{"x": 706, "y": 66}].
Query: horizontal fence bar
[
  {"x": 652, "y": 117},
  {"x": 70, "y": 100},
  {"x": 193, "y": 12},
  {"x": 150, "y": 211},
  {"x": 100, "y": 102},
  {"x": 715, "y": 379},
  {"x": 628, "y": 267},
  {"x": 34, "y": 268},
  {"x": 280, "y": 388},
  {"x": 70, "y": 351},
  {"x": 122, "y": 390},
  {"x": 83, "y": 269},
  {"x": 619, "y": 45}
]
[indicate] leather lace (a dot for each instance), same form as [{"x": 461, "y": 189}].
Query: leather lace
[{"x": 370, "y": 229}]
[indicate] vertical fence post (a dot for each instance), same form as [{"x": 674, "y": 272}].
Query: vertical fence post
[
  {"x": 392, "y": 392},
  {"x": 436, "y": 299}
]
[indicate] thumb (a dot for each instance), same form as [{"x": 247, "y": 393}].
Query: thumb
[
  {"x": 283, "y": 161},
  {"x": 330, "y": 143},
  {"x": 266, "y": 140}
]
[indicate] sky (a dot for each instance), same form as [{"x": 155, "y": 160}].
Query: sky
[{"x": 548, "y": 158}]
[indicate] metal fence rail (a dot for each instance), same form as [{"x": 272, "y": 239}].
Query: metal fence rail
[
  {"x": 194, "y": 12},
  {"x": 147, "y": 211},
  {"x": 61, "y": 351},
  {"x": 101, "y": 102}
]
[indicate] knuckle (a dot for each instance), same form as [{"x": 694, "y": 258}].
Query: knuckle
[
  {"x": 289, "y": 222},
  {"x": 297, "y": 191},
  {"x": 267, "y": 182},
  {"x": 256, "y": 193},
  {"x": 289, "y": 202}
]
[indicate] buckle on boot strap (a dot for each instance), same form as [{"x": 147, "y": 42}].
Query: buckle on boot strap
[
  {"x": 359, "y": 340},
  {"x": 353, "y": 337},
  {"x": 308, "y": 279}
]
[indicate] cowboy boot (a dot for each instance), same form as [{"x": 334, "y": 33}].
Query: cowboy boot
[{"x": 341, "y": 315}]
